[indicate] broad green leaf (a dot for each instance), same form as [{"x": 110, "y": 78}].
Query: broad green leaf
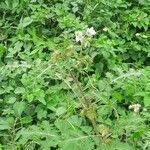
[
  {"x": 60, "y": 111},
  {"x": 19, "y": 90},
  {"x": 11, "y": 100},
  {"x": 26, "y": 119},
  {"x": 15, "y": 3},
  {"x": 25, "y": 22},
  {"x": 4, "y": 125},
  {"x": 18, "y": 108}
]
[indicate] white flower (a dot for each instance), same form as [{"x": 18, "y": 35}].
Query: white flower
[
  {"x": 79, "y": 36},
  {"x": 90, "y": 32},
  {"x": 135, "y": 107},
  {"x": 131, "y": 107},
  {"x": 105, "y": 29},
  {"x": 137, "y": 34}
]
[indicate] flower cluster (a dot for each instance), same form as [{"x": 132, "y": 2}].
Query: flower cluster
[
  {"x": 90, "y": 32},
  {"x": 135, "y": 107}
]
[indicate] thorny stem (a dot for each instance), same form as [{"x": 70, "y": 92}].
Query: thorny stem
[
  {"x": 87, "y": 103},
  {"x": 80, "y": 57},
  {"x": 81, "y": 51},
  {"x": 93, "y": 121},
  {"x": 80, "y": 89}
]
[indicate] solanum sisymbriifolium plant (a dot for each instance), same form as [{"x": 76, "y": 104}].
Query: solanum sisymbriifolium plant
[{"x": 74, "y": 75}]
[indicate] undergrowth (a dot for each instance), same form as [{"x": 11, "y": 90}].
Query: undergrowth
[{"x": 74, "y": 75}]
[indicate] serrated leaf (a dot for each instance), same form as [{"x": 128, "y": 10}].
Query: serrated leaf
[
  {"x": 19, "y": 90},
  {"x": 26, "y": 119},
  {"x": 11, "y": 100},
  {"x": 60, "y": 111},
  {"x": 25, "y": 22},
  {"x": 4, "y": 124},
  {"x": 19, "y": 107},
  {"x": 15, "y": 3}
]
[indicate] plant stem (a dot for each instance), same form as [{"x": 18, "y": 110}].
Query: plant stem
[{"x": 87, "y": 103}]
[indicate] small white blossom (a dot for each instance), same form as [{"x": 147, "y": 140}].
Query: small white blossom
[
  {"x": 79, "y": 36},
  {"x": 90, "y": 32},
  {"x": 105, "y": 29},
  {"x": 137, "y": 34},
  {"x": 135, "y": 107},
  {"x": 131, "y": 107}
]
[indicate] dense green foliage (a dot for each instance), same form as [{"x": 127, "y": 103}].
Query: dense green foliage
[{"x": 56, "y": 93}]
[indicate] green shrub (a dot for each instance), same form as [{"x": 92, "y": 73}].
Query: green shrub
[{"x": 63, "y": 88}]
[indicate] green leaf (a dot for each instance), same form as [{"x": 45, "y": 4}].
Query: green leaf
[
  {"x": 138, "y": 134},
  {"x": 4, "y": 125},
  {"x": 60, "y": 111},
  {"x": 40, "y": 95},
  {"x": 19, "y": 90},
  {"x": 15, "y": 3},
  {"x": 25, "y": 22},
  {"x": 147, "y": 100},
  {"x": 19, "y": 107},
  {"x": 11, "y": 100},
  {"x": 41, "y": 112},
  {"x": 26, "y": 119},
  {"x": 2, "y": 50}
]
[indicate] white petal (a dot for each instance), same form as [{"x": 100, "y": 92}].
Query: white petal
[
  {"x": 79, "y": 36},
  {"x": 90, "y": 31},
  {"x": 105, "y": 29}
]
